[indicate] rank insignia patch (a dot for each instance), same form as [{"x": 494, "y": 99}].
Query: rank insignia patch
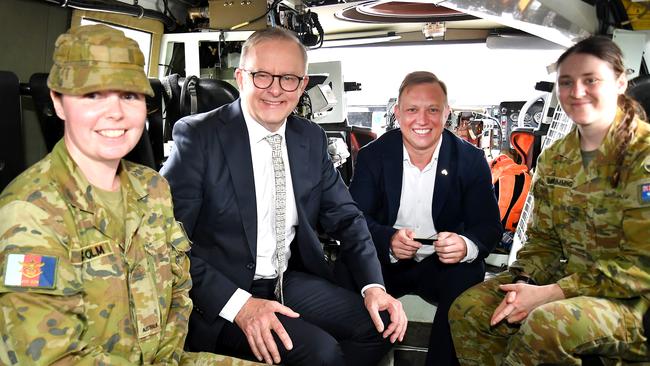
[{"x": 30, "y": 270}]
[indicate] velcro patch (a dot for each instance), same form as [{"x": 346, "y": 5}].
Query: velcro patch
[
  {"x": 644, "y": 190},
  {"x": 90, "y": 252},
  {"x": 560, "y": 182},
  {"x": 30, "y": 270}
]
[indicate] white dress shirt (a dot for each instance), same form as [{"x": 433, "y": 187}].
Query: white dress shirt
[
  {"x": 415, "y": 205},
  {"x": 265, "y": 200}
]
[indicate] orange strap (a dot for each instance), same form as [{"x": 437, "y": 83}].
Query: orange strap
[
  {"x": 505, "y": 170},
  {"x": 522, "y": 142},
  {"x": 518, "y": 207},
  {"x": 506, "y": 185}
]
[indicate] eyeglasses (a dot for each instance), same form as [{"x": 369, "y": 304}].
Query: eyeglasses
[{"x": 264, "y": 80}]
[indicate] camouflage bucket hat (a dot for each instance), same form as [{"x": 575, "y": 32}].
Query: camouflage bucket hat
[{"x": 94, "y": 58}]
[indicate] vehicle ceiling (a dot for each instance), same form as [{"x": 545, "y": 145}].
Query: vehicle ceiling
[{"x": 558, "y": 21}]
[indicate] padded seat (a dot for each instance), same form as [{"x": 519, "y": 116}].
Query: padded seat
[
  {"x": 639, "y": 89},
  {"x": 191, "y": 95},
  {"x": 51, "y": 125},
  {"x": 12, "y": 148}
]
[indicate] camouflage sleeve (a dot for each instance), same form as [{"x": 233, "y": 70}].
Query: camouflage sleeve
[
  {"x": 540, "y": 257},
  {"x": 627, "y": 273},
  {"x": 41, "y": 325},
  {"x": 175, "y": 329}
]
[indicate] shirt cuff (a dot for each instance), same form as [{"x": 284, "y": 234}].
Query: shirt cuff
[
  {"x": 472, "y": 250},
  {"x": 392, "y": 258},
  {"x": 363, "y": 290},
  {"x": 232, "y": 307}
]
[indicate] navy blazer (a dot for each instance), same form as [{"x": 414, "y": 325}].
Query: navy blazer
[
  {"x": 210, "y": 172},
  {"x": 463, "y": 199}
]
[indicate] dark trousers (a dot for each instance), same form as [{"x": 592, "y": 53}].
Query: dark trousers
[
  {"x": 438, "y": 283},
  {"x": 334, "y": 327}
]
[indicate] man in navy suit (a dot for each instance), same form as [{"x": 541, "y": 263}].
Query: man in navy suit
[
  {"x": 430, "y": 205},
  {"x": 227, "y": 193}
]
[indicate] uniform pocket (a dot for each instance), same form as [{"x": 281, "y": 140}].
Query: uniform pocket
[
  {"x": 148, "y": 280},
  {"x": 607, "y": 217},
  {"x": 159, "y": 266}
]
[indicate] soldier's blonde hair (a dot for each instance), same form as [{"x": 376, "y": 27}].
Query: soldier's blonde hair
[{"x": 606, "y": 50}]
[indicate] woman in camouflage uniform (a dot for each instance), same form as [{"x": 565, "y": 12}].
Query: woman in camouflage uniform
[
  {"x": 93, "y": 263},
  {"x": 581, "y": 284}
]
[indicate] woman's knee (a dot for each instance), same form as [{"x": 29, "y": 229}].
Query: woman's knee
[
  {"x": 575, "y": 323},
  {"x": 462, "y": 305},
  {"x": 551, "y": 333},
  {"x": 475, "y": 303}
]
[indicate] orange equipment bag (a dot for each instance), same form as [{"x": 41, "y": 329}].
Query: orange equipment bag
[{"x": 511, "y": 184}]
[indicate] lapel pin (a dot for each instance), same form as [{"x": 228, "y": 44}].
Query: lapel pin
[{"x": 444, "y": 172}]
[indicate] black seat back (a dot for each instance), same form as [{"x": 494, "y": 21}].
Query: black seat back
[
  {"x": 156, "y": 122},
  {"x": 12, "y": 148},
  {"x": 51, "y": 125},
  {"x": 639, "y": 89},
  {"x": 191, "y": 95}
]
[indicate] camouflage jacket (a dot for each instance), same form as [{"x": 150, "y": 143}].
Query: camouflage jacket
[
  {"x": 589, "y": 238},
  {"x": 85, "y": 294}
]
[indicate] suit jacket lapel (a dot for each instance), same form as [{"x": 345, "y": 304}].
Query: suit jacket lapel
[
  {"x": 237, "y": 151},
  {"x": 298, "y": 152},
  {"x": 444, "y": 174},
  {"x": 393, "y": 160}
]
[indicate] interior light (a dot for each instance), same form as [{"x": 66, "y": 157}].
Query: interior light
[
  {"x": 433, "y": 30},
  {"x": 355, "y": 41}
]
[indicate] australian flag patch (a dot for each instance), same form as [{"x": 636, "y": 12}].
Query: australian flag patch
[
  {"x": 30, "y": 270},
  {"x": 645, "y": 193}
]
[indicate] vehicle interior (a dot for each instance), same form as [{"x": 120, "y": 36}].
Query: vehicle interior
[{"x": 496, "y": 57}]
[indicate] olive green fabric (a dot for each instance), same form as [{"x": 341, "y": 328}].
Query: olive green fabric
[
  {"x": 587, "y": 157},
  {"x": 113, "y": 202}
]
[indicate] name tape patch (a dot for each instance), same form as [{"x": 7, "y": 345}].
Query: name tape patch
[
  {"x": 30, "y": 270},
  {"x": 90, "y": 252},
  {"x": 560, "y": 182}
]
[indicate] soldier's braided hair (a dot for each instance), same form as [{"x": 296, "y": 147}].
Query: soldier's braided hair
[
  {"x": 624, "y": 132},
  {"x": 606, "y": 50}
]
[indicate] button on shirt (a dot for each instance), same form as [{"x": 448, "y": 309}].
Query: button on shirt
[
  {"x": 265, "y": 197},
  {"x": 416, "y": 202}
]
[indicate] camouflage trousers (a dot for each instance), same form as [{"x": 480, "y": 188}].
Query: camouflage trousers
[
  {"x": 210, "y": 359},
  {"x": 557, "y": 333}
]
